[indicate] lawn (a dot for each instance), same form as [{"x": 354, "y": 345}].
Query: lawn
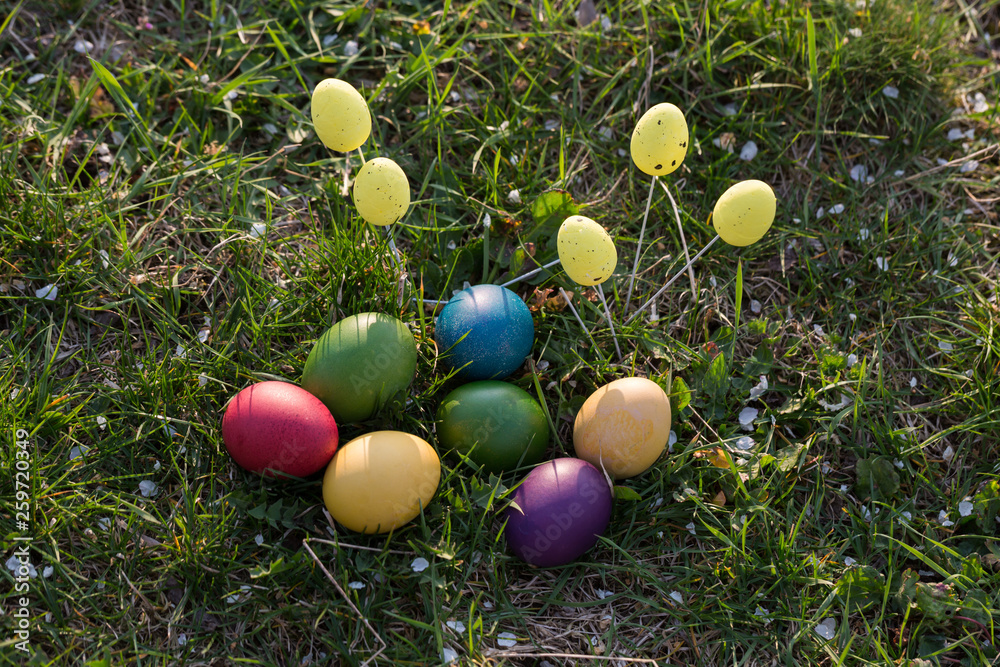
[{"x": 172, "y": 231}]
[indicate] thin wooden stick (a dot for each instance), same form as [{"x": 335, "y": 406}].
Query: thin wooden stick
[
  {"x": 684, "y": 243},
  {"x": 531, "y": 273},
  {"x": 670, "y": 282},
  {"x": 577, "y": 315},
  {"x": 607, "y": 312},
  {"x": 638, "y": 248}
]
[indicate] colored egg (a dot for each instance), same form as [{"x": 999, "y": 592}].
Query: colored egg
[
  {"x": 497, "y": 425},
  {"x": 624, "y": 426},
  {"x": 586, "y": 251},
  {"x": 559, "y": 511},
  {"x": 484, "y": 332},
  {"x": 744, "y": 212},
  {"x": 381, "y": 192},
  {"x": 278, "y": 428},
  {"x": 659, "y": 140},
  {"x": 340, "y": 115},
  {"x": 360, "y": 364},
  {"x": 380, "y": 481}
]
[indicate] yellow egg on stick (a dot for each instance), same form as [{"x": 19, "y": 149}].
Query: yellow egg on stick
[
  {"x": 381, "y": 192},
  {"x": 340, "y": 115},
  {"x": 589, "y": 256},
  {"x": 744, "y": 212},
  {"x": 658, "y": 146},
  {"x": 742, "y": 216},
  {"x": 659, "y": 140},
  {"x": 382, "y": 195}
]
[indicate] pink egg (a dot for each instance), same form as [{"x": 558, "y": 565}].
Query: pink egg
[{"x": 279, "y": 429}]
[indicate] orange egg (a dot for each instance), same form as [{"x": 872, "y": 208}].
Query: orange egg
[{"x": 623, "y": 427}]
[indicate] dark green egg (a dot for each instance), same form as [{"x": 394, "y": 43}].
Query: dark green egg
[
  {"x": 359, "y": 364},
  {"x": 497, "y": 425}
]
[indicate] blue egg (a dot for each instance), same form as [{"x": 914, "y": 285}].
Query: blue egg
[{"x": 499, "y": 327}]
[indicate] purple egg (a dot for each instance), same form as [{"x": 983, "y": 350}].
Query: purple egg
[{"x": 562, "y": 507}]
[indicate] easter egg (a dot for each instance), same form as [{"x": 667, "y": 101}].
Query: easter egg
[
  {"x": 624, "y": 426},
  {"x": 381, "y": 192},
  {"x": 659, "y": 140},
  {"x": 340, "y": 115},
  {"x": 586, "y": 251},
  {"x": 559, "y": 511},
  {"x": 484, "y": 332},
  {"x": 744, "y": 212},
  {"x": 360, "y": 364},
  {"x": 380, "y": 481},
  {"x": 278, "y": 428},
  {"x": 497, "y": 425}
]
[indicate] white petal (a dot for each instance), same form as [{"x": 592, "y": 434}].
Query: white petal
[
  {"x": 849, "y": 561},
  {"x": 859, "y": 172},
  {"x": 514, "y": 196},
  {"x": 356, "y": 585},
  {"x": 756, "y": 307},
  {"x": 891, "y": 92},
  {"x": 854, "y": 32},
  {"x": 747, "y": 415},
  {"x": 83, "y": 46},
  {"x": 677, "y": 597},
  {"x": 948, "y": 454},
  {"x": 745, "y": 443},
  {"x": 48, "y": 292},
  {"x": 691, "y": 528},
  {"x": 882, "y": 263},
  {"x": 955, "y": 134},
  {"x": 259, "y": 540},
  {"x": 965, "y": 508},
  {"x": 749, "y": 151},
  {"x": 506, "y": 639},
  {"x": 419, "y": 564},
  {"x": 47, "y": 571},
  {"x": 898, "y": 173},
  {"x": 852, "y": 359},
  {"x": 257, "y": 230},
  {"x": 351, "y": 48},
  {"x": 457, "y": 626},
  {"x": 147, "y": 488},
  {"x": 969, "y": 166},
  {"x": 945, "y": 346},
  {"x": 836, "y": 209},
  {"x": 827, "y": 628},
  {"x": 35, "y": 78},
  {"x": 448, "y": 655},
  {"x": 101, "y": 422}
]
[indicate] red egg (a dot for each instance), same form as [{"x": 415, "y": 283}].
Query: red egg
[{"x": 279, "y": 429}]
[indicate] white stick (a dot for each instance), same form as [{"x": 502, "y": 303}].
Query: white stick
[
  {"x": 392, "y": 246},
  {"x": 577, "y": 315},
  {"x": 638, "y": 248},
  {"x": 684, "y": 243},
  {"x": 531, "y": 273},
  {"x": 607, "y": 312},
  {"x": 671, "y": 281}
]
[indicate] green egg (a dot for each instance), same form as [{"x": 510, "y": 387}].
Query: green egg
[
  {"x": 359, "y": 364},
  {"x": 497, "y": 425}
]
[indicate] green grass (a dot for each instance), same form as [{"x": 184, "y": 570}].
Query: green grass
[{"x": 167, "y": 305}]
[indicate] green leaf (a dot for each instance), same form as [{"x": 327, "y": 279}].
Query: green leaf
[
  {"x": 548, "y": 211},
  {"x": 680, "y": 395},
  {"x": 905, "y": 589},
  {"x": 111, "y": 84},
  {"x": 861, "y": 588},
  {"x": 626, "y": 493},
  {"x": 878, "y": 477},
  {"x": 987, "y": 506},
  {"x": 936, "y": 601},
  {"x": 787, "y": 457}
]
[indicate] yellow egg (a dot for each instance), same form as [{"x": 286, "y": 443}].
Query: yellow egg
[
  {"x": 381, "y": 192},
  {"x": 744, "y": 212},
  {"x": 659, "y": 140},
  {"x": 586, "y": 251},
  {"x": 340, "y": 115},
  {"x": 624, "y": 426},
  {"x": 380, "y": 481}
]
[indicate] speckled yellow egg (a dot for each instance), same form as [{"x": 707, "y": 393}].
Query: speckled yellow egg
[
  {"x": 744, "y": 212},
  {"x": 586, "y": 251},
  {"x": 659, "y": 140},
  {"x": 624, "y": 426},
  {"x": 380, "y": 481},
  {"x": 381, "y": 192},
  {"x": 340, "y": 115}
]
